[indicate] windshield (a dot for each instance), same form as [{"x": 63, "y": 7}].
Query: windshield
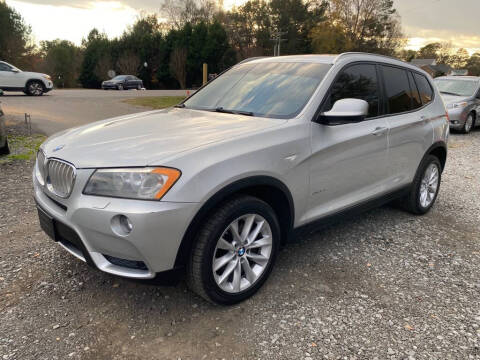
[
  {"x": 275, "y": 90},
  {"x": 119, "y": 77},
  {"x": 460, "y": 87}
]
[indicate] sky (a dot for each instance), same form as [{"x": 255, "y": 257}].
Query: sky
[{"x": 423, "y": 21}]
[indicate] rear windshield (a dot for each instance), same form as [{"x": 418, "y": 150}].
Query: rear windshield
[
  {"x": 275, "y": 90},
  {"x": 460, "y": 87},
  {"x": 120, "y": 77}
]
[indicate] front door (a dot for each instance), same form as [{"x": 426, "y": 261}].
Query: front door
[{"x": 349, "y": 162}]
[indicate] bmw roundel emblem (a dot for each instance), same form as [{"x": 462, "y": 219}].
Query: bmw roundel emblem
[{"x": 58, "y": 148}]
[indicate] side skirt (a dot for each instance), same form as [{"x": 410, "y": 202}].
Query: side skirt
[{"x": 349, "y": 212}]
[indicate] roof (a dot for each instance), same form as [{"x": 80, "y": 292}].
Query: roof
[
  {"x": 333, "y": 59},
  {"x": 423, "y": 62}
]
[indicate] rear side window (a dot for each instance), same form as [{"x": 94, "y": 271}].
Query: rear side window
[
  {"x": 416, "y": 101},
  {"x": 5, "y": 67},
  {"x": 397, "y": 90},
  {"x": 358, "y": 82},
  {"x": 426, "y": 91}
]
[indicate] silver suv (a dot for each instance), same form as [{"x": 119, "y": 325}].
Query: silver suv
[
  {"x": 462, "y": 97},
  {"x": 213, "y": 187}
]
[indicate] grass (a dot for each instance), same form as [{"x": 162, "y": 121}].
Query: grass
[
  {"x": 22, "y": 147},
  {"x": 155, "y": 102}
]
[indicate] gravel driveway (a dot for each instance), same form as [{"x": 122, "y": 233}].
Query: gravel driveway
[{"x": 386, "y": 285}]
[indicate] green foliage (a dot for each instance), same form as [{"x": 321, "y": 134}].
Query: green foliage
[
  {"x": 473, "y": 65},
  {"x": 62, "y": 61},
  {"x": 15, "y": 36},
  {"x": 22, "y": 147},
  {"x": 96, "y": 49}
]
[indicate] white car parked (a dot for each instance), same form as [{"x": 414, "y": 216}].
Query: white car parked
[{"x": 31, "y": 83}]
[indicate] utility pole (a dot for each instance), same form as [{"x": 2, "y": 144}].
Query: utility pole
[{"x": 277, "y": 37}]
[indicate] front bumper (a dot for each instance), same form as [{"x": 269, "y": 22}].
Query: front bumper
[
  {"x": 83, "y": 226},
  {"x": 458, "y": 117}
]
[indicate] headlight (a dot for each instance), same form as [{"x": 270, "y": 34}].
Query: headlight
[
  {"x": 48, "y": 77},
  {"x": 457, "y": 105},
  {"x": 132, "y": 183}
]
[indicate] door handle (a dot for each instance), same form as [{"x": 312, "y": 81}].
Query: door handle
[{"x": 379, "y": 131}]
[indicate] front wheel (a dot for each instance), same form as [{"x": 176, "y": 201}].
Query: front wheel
[
  {"x": 235, "y": 251},
  {"x": 120, "y": 87},
  {"x": 35, "y": 88},
  {"x": 425, "y": 187},
  {"x": 468, "y": 124}
]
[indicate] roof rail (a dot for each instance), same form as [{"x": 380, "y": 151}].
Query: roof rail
[
  {"x": 364, "y": 53},
  {"x": 251, "y": 59}
]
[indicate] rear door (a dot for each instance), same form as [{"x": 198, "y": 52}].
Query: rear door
[
  {"x": 8, "y": 78},
  {"x": 349, "y": 162},
  {"x": 408, "y": 95}
]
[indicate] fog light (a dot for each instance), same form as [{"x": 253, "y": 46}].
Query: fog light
[{"x": 121, "y": 225}]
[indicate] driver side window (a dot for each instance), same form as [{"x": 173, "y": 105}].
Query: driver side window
[{"x": 359, "y": 82}]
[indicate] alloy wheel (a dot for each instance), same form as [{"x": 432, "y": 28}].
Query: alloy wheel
[
  {"x": 429, "y": 185},
  {"x": 242, "y": 253},
  {"x": 35, "y": 88}
]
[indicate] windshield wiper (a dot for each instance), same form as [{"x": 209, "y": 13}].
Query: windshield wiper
[
  {"x": 450, "y": 93},
  {"x": 236, "y": 112},
  {"x": 180, "y": 106}
]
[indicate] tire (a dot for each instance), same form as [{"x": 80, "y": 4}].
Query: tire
[
  {"x": 139, "y": 87},
  {"x": 413, "y": 201},
  {"x": 35, "y": 88},
  {"x": 209, "y": 249},
  {"x": 469, "y": 123},
  {"x": 120, "y": 87},
  {"x": 5, "y": 150}
]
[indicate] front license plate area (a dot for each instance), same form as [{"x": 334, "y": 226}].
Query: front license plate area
[{"x": 46, "y": 223}]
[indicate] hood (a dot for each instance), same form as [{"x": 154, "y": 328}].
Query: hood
[
  {"x": 452, "y": 99},
  {"x": 33, "y": 74},
  {"x": 148, "y": 138}
]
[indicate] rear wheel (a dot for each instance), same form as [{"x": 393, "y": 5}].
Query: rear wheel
[
  {"x": 235, "y": 251},
  {"x": 35, "y": 88},
  {"x": 139, "y": 87},
  {"x": 468, "y": 123},
  {"x": 425, "y": 187}
]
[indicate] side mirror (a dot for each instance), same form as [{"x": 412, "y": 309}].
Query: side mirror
[
  {"x": 15, "y": 70},
  {"x": 345, "y": 111}
]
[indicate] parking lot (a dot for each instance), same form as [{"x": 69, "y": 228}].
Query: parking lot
[
  {"x": 61, "y": 109},
  {"x": 384, "y": 285}
]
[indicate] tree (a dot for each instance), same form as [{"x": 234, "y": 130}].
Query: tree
[
  {"x": 178, "y": 65},
  {"x": 180, "y": 12},
  {"x": 15, "y": 36},
  {"x": 407, "y": 55},
  {"x": 473, "y": 65},
  {"x": 328, "y": 38},
  {"x": 128, "y": 63},
  {"x": 460, "y": 59},
  {"x": 96, "y": 47},
  {"x": 62, "y": 60},
  {"x": 441, "y": 52},
  {"x": 371, "y": 26}
]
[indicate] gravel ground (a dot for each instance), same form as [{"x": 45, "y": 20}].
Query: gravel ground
[{"x": 385, "y": 285}]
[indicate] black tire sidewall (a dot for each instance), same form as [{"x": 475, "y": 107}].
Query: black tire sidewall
[
  {"x": 425, "y": 164},
  {"x": 465, "y": 131},
  {"x": 248, "y": 206},
  {"x": 38, "y": 82}
]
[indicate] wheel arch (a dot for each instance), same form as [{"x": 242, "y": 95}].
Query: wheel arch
[
  {"x": 34, "y": 79},
  {"x": 266, "y": 188},
  {"x": 439, "y": 150}
]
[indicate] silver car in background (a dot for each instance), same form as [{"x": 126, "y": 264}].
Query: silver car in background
[
  {"x": 211, "y": 188},
  {"x": 462, "y": 98}
]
